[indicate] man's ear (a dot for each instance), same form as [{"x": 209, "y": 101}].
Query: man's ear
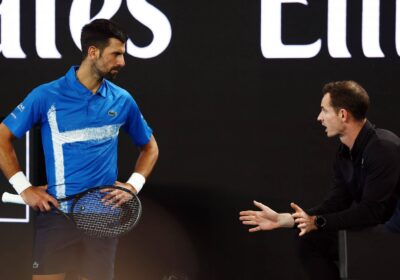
[
  {"x": 92, "y": 52},
  {"x": 344, "y": 115}
]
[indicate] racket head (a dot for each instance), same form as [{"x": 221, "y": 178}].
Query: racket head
[{"x": 98, "y": 220}]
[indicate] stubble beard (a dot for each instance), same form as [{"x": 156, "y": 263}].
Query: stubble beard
[
  {"x": 106, "y": 74},
  {"x": 109, "y": 75}
]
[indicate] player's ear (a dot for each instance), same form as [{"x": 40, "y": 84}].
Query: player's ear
[{"x": 92, "y": 52}]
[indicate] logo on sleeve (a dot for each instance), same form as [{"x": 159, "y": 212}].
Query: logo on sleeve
[{"x": 21, "y": 107}]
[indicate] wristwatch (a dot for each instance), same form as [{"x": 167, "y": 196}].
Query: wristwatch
[{"x": 320, "y": 222}]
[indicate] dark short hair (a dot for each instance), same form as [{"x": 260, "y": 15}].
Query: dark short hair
[
  {"x": 98, "y": 32},
  {"x": 348, "y": 95}
]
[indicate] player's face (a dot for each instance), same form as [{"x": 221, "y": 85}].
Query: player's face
[
  {"x": 330, "y": 118},
  {"x": 111, "y": 59}
]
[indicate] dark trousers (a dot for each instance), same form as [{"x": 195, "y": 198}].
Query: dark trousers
[{"x": 318, "y": 253}]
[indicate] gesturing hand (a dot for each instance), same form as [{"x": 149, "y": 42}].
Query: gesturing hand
[
  {"x": 266, "y": 219},
  {"x": 304, "y": 221}
]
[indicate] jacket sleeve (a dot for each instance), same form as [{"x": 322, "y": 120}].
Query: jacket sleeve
[
  {"x": 338, "y": 197},
  {"x": 380, "y": 172}
]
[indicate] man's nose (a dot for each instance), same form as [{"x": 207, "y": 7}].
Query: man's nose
[{"x": 121, "y": 61}]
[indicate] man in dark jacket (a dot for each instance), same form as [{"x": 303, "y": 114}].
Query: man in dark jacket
[{"x": 365, "y": 187}]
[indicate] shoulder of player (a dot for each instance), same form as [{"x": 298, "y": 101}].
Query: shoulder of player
[
  {"x": 41, "y": 98},
  {"x": 383, "y": 146},
  {"x": 116, "y": 90},
  {"x": 120, "y": 93},
  {"x": 47, "y": 88},
  {"x": 384, "y": 140}
]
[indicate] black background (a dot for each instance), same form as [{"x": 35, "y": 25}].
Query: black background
[{"x": 232, "y": 126}]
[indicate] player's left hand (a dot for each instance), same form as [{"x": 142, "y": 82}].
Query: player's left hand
[
  {"x": 305, "y": 222},
  {"x": 116, "y": 196}
]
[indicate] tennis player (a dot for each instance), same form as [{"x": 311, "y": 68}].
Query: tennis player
[
  {"x": 365, "y": 187},
  {"x": 80, "y": 115}
]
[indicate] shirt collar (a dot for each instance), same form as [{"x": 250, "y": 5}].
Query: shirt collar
[
  {"x": 76, "y": 85},
  {"x": 361, "y": 141}
]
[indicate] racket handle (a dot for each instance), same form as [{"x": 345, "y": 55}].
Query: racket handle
[{"x": 12, "y": 198}]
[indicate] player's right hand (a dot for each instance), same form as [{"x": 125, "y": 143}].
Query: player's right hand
[{"x": 38, "y": 198}]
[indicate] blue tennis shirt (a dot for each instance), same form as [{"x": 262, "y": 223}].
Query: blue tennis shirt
[{"x": 79, "y": 131}]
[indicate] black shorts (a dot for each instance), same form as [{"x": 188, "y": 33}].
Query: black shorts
[{"x": 61, "y": 248}]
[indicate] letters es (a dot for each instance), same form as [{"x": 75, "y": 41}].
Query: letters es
[{"x": 141, "y": 10}]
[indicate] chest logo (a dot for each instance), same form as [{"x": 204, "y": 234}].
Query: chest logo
[{"x": 112, "y": 113}]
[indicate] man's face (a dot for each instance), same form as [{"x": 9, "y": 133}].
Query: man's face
[
  {"x": 330, "y": 118},
  {"x": 110, "y": 60}
]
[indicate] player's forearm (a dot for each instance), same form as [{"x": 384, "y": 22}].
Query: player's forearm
[
  {"x": 147, "y": 158},
  {"x": 285, "y": 220},
  {"x": 8, "y": 158}
]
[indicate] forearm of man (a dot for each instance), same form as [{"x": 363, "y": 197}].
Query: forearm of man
[
  {"x": 8, "y": 158},
  {"x": 335, "y": 201},
  {"x": 147, "y": 158},
  {"x": 359, "y": 216}
]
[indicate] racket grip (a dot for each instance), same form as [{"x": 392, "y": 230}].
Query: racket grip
[{"x": 12, "y": 198}]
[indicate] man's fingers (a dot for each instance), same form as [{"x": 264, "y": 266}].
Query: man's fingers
[
  {"x": 297, "y": 215},
  {"x": 106, "y": 190},
  {"x": 45, "y": 206},
  {"x": 40, "y": 208},
  {"x": 296, "y": 207},
  {"x": 302, "y": 225},
  {"x": 110, "y": 197},
  {"x": 254, "y": 229},
  {"x": 249, "y": 217},
  {"x": 252, "y": 223},
  {"x": 302, "y": 230},
  {"x": 116, "y": 198},
  {"x": 299, "y": 220},
  {"x": 260, "y": 205},
  {"x": 247, "y": 213},
  {"x": 53, "y": 201},
  {"x": 121, "y": 198}
]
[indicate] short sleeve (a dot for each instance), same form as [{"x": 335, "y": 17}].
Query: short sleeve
[
  {"x": 25, "y": 115},
  {"x": 136, "y": 126}
]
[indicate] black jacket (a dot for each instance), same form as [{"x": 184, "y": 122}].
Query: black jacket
[{"x": 366, "y": 181}]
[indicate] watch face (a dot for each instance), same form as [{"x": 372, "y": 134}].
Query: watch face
[{"x": 320, "y": 222}]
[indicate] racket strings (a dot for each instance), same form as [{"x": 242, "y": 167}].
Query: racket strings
[{"x": 104, "y": 221}]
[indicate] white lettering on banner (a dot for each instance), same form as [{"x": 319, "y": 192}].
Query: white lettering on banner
[
  {"x": 370, "y": 29},
  {"x": 80, "y": 15},
  {"x": 157, "y": 22},
  {"x": 271, "y": 25},
  {"x": 271, "y": 39},
  {"x": 151, "y": 17},
  {"x": 46, "y": 29},
  {"x": 10, "y": 42},
  {"x": 141, "y": 10},
  {"x": 337, "y": 23}
]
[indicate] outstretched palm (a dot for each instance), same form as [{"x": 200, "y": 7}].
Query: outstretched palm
[{"x": 266, "y": 219}]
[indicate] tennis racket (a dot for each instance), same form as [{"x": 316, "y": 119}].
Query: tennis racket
[{"x": 94, "y": 213}]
